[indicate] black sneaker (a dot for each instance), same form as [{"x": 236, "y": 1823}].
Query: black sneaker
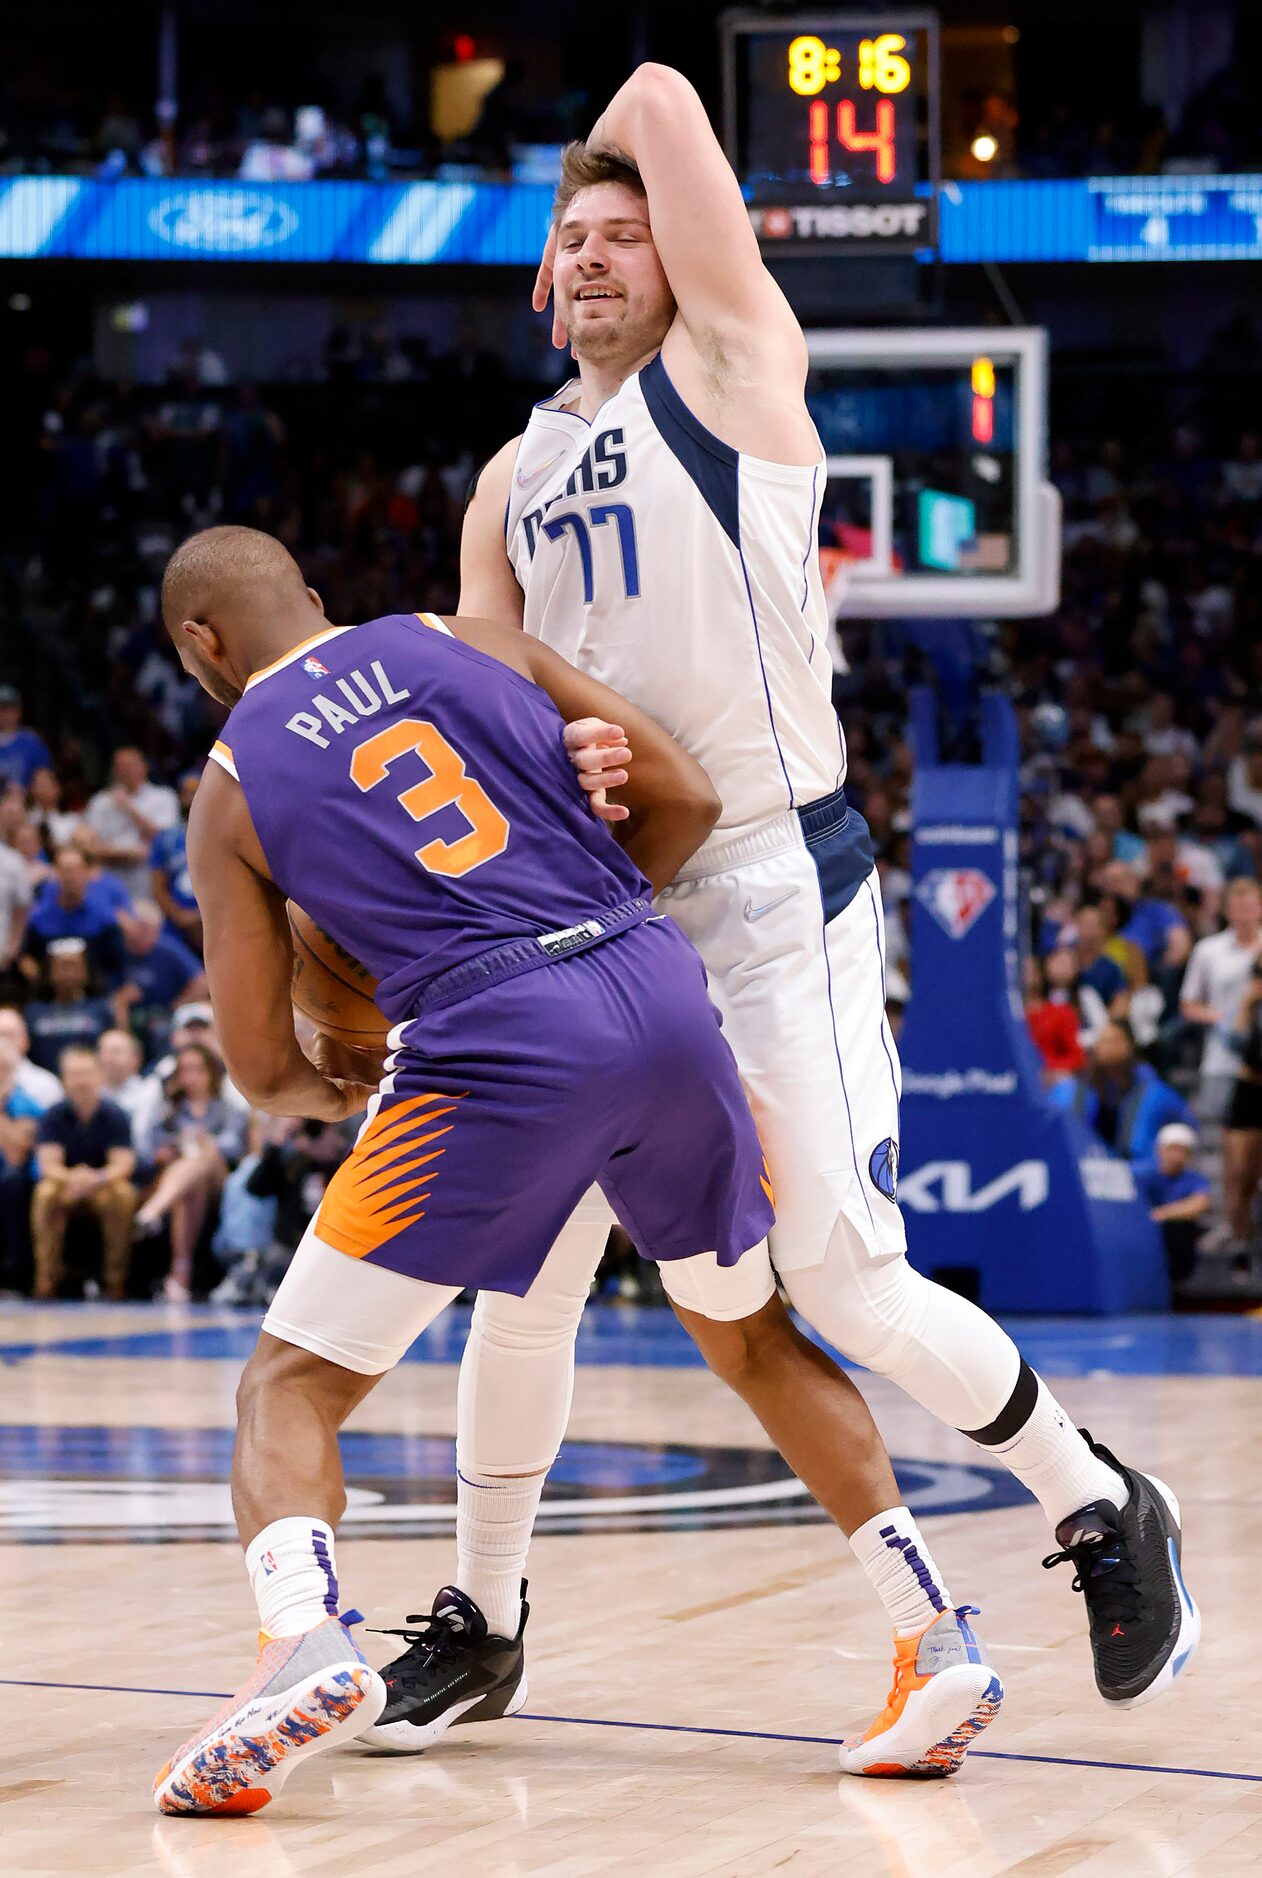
[
  {"x": 1144, "y": 1625},
  {"x": 453, "y": 1671}
]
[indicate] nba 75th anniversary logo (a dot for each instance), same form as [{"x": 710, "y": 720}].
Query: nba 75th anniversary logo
[{"x": 956, "y": 896}]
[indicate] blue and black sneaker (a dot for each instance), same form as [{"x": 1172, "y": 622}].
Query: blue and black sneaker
[{"x": 1128, "y": 1566}]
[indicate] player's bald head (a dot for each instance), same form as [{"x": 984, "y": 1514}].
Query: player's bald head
[
  {"x": 233, "y": 600},
  {"x": 226, "y": 575}
]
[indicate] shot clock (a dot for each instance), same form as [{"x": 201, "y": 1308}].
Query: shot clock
[{"x": 831, "y": 123}]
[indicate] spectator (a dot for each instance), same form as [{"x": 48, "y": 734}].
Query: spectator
[
  {"x": 43, "y": 1088},
  {"x": 22, "y": 751},
  {"x": 246, "y": 1230},
  {"x": 198, "y": 1137},
  {"x": 157, "y": 970},
  {"x": 19, "y": 1116},
  {"x": 1124, "y": 953},
  {"x": 1213, "y": 832},
  {"x": 15, "y": 903},
  {"x": 1242, "y": 1124},
  {"x": 190, "y": 1023},
  {"x": 1103, "y": 988},
  {"x": 128, "y": 816},
  {"x": 56, "y": 825},
  {"x": 120, "y": 1057},
  {"x": 1124, "y": 846},
  {"x": 71, "y": 906},
  {"x": 1121, "y": 1098},
  {"x": 274, "y": 157},
  {"x": 1197, "y": 865},
  {"x": 1242, "y": 476},
  {"x": 168, "y": 872},
  {"x": 1169, "y": 870},
  {"x": 1214, "y": 985},
  {"x": 1155, "y": 926},
  {"x": 297, "y": 1161},
  {"x": 106, "y": 889},
  {"x": 1244, "y": 782},
  {"x": 119, "y": 130},
  {"x": 1176, "y": 1195},
  {"x": 85, "y": 1165},
  {"x": 12, "y": 809},
  {"x": 26, "y": 845},
  {"x": 71, "y": 1015},
  {"x": 1051, "y": 1013}
]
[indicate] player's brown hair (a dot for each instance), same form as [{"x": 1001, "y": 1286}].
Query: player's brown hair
[{"x": 581, "y": 167}]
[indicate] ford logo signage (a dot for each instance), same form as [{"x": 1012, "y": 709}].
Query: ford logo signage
[{"x": 222, "y": 221}]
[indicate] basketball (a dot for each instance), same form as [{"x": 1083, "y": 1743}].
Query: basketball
[{"x": 333, "y": 989}]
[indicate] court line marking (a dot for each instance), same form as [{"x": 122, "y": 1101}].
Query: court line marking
[{"x": 682, "y": 1728}]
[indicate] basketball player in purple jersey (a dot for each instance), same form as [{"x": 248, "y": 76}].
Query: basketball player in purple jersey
[
  {"x": 407, "y": 781},
  {"x": 656, "y": 524}
]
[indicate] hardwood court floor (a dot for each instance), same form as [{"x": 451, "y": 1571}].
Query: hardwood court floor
[{"x": 688, "y": 1678}]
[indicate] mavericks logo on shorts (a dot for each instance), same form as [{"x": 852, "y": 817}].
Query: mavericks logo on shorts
[{"x": 883, "y": 1167}]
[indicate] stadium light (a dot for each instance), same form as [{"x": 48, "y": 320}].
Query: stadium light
[{"x": 984, "y": 147}]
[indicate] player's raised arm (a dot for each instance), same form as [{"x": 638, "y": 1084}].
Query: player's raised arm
[
  {"x": 701, "y": 227},
  {"x": 249, "y": 961},
  {"x": 672, "y": 802},
  {"x": 488, "y": 585}
]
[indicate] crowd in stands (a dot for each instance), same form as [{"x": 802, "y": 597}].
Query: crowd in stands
[
  {"x": 320, "y": 132},
  {"x": 1142, "y": 796},
  {"x": 1140, "y": 702},
  {"x": 314, "y": 125},
  {"x": 114, "y": 1103}
]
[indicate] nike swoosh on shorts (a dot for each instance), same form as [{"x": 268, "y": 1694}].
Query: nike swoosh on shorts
[{"x": 756, "y": 912}]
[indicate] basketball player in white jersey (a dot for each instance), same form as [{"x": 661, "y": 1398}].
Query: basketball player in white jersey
[{"x": 656, "y": 524}]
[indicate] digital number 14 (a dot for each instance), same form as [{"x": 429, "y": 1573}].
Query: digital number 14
[{"x": 880, "y": 140}]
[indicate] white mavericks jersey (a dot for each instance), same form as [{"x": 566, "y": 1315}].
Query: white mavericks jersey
[{"x": 685, "y": 575}]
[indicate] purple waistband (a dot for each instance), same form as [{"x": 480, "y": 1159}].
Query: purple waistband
[{"x": 527, "y": 955}]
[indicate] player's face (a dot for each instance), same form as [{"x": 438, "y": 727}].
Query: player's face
[
  {"x": 611, "y": 292},
  {"x": 201, "y": 651}
]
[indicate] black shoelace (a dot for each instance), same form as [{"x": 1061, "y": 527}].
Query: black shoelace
[
  {"x": 1107, "y": 1577},
  {"x": 435, "y": 1644}
]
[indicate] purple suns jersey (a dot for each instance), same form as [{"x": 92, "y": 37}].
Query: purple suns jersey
[{"x": 414, "y": 796}]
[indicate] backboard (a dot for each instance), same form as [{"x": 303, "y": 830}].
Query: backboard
[{"x": 937, "y": 502}]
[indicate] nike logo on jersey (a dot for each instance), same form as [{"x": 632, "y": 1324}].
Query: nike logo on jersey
[
  {"x": 524, "y": 481},
  {"x": 769, "y": 906}
]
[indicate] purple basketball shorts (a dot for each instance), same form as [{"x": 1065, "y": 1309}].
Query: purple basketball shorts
[{"x": 500, "y": 1110}]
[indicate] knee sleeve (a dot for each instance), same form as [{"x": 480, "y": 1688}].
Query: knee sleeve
[
  {"x": 517, "y": 1373},
  {"x": 945, "y": 1352}
]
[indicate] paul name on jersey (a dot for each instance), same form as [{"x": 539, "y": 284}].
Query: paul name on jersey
[{"x": 364, "y": 699}]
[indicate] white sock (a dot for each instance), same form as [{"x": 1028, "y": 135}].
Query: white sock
[
  {"x": 293, "y": 1575},
  {"x": 1051, "y": 1458},
  {"x": 495, "y": 1516},
  {"x": 901, "y": 1570}
]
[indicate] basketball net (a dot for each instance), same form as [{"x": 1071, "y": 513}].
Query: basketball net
[{"x": 834, "y": 567}]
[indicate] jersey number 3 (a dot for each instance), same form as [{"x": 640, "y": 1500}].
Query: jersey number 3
[{"x": 448, "y": 785}]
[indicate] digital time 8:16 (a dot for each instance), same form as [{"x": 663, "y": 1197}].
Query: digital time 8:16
[{"x": 812, "y": 65}]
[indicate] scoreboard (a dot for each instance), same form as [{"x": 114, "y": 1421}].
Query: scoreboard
[{"x": 831, "y": 123}]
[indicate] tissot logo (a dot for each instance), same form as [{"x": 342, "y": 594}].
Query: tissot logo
[
  {"x": 222, "y": 221},
  {"x": 874, "y": 222}
]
